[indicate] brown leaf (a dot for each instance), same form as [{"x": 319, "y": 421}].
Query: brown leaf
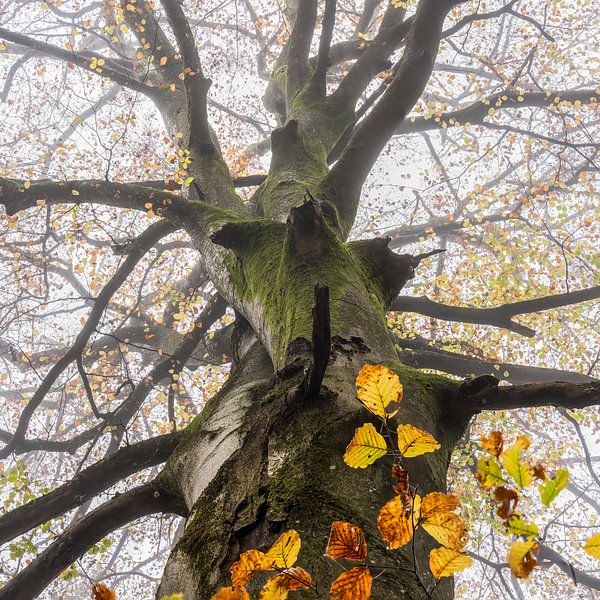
[
  {"x": 352, "y": 585},
  {"x": 521, "y": 559},
  {"x": 102, "y": 592},
  {"x": 507, "y": 500},
  {"x": 539, "y": 472},
  {"x": 346, "y": 541}
]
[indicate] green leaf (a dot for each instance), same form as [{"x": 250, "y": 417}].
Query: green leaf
[
  {"x": 489, "y": 473},
  {"x": 518, "y": 527},
  {"x": 551, "y": 487}
]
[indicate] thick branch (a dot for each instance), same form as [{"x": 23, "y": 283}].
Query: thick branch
[
  {"x": 78, "y": 538},
  {"x": 319, "y": 76},
  {"x": 87, "y": 484},
  {"x": 19, "y": 195},
  {"x": 500, "y": 316},
  {"x": 108, "y": 69},
  {"x": 484, "y": 393},
  {"x": 548, "y": 555}
]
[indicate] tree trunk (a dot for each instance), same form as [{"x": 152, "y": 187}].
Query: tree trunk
[{"x": 260, "y": 459}]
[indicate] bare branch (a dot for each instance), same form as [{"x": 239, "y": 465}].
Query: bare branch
[
  {"x": 75, "y": 540},
  {"x": 500, "y": 316},
  {"x": 319, "y": 76},
  {"x": 109, "y": 69},
  {"x": 87, "y": 484}
]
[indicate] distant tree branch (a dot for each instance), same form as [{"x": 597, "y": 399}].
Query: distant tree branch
[
  {"x": 548, "y": 557},
  {"x": 143, "y": 243},
  {"x": 109, "y": 69},
  {"x": 78, "y": 538},
  {"x": 319, "y": 76},
  {"x": 477, "y": 112},
  {"x": 500, "y": 316},
  {"x": 87, "y": 484}
]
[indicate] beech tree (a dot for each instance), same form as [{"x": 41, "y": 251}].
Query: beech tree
[{"x": 268, "y": 197}]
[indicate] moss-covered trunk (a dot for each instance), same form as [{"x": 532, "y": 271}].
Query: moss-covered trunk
[{"x": 259, "y": 461}]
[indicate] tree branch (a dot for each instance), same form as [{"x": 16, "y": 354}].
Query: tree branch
[
  {"x": 319, "y": 76},
  {"x": 484, "y": 393},
  {"x": 19, "y": 195},
  {"x": 109, "y": 69},
  {"x": 87, "y": 484},
  {"x": 75, "y": 540},
  {"x": 143, "y": 243},
  {"x": 500, "y": 316}
]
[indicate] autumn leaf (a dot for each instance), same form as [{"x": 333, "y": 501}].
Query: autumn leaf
[
  {"x": 507, "y": 500},
  {"x": 395, "y": 526},
  {"x": 443, "y": 562},
  {"x": 284, "y": 552},
  {"x": 249, "y": 563},
  {"x": 400, "y": 476},
  {"x": 493, "y": 443},
  {"x": 377, "y": 388},
  {"x": 346, "y": 541},
  {"x": 518, "y": 527},
  {"x": 365, "y": 448},
  {"x": 592, "y": 546},
  {"x": 448, "y": 529},
  {"x": 520, "y": 471},
  {"x": 550, "y": 488},
  {"x": 352, "y": 585},
  {"x": 277, "y": 587},
  {"x": 488, "y": 473},
  {"x": 437, "y": 502},
  {"x": 231, "y": 594},
  {"x": 102, "y": 592},
  {"x": 521, "y": 559},
  {"x": 414, "y": 442}
]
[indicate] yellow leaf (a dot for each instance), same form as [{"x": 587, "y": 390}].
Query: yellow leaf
[
  {"x": 592, "y": 546},
  {"x": 518, "y": 527},
  {"x": 488, "y": 473},
  {"x": 284, "y": 551},
  {"x": 231, "y": 594},
  {"x": 395, "y": 526},
  {"x": 346, "y": 541},
  {"x": 443, "y": 562},
  {"x": 365, "y": 447},
  {"x": 377, "y": 388},
  {"x": 520, "y": 471},
  {"x": 414, "y": 442},
  {"x": 277, "y": 587},
  {"x": 163, "y": 61},
  {"x": 521, "y": 559},
  {"x": 437, "y": 502},
  {"x": 352, "y": 585},
  {"x": 447, "y": 528},
  {"x": 249, "y": 563}
]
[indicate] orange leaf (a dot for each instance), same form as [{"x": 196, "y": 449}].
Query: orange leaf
[
  {"x": 507, "y": 500},
  {"x": 437, "y": 502},
  {"x": 395, "y": 526},
  {"x": 284, "y": 552},
  {"x": 352, "y": 585},
  {"x": 521, "y": 559},
  {"x": 493, "y": 444},
  {"x": 249, "y": 563},
  {"x": 277, "y": 587},
  {"x": 378, "y": 387},
  {"x": 346, "y": 541},
  {"x": 101, "y": 592},
  {"x": 231, "y": 594},
  {"x": 448, "y": 529}
]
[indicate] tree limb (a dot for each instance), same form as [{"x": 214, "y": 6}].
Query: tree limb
[
  {"x": 500, "y": 316},
  {"x": 75, "y": 540},
  {"x": 87, "y": 484}
]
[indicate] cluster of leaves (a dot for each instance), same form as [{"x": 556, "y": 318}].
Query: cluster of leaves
[
  {"x": 379, "y": 390},
  {"x": 506, "y": 479}
]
